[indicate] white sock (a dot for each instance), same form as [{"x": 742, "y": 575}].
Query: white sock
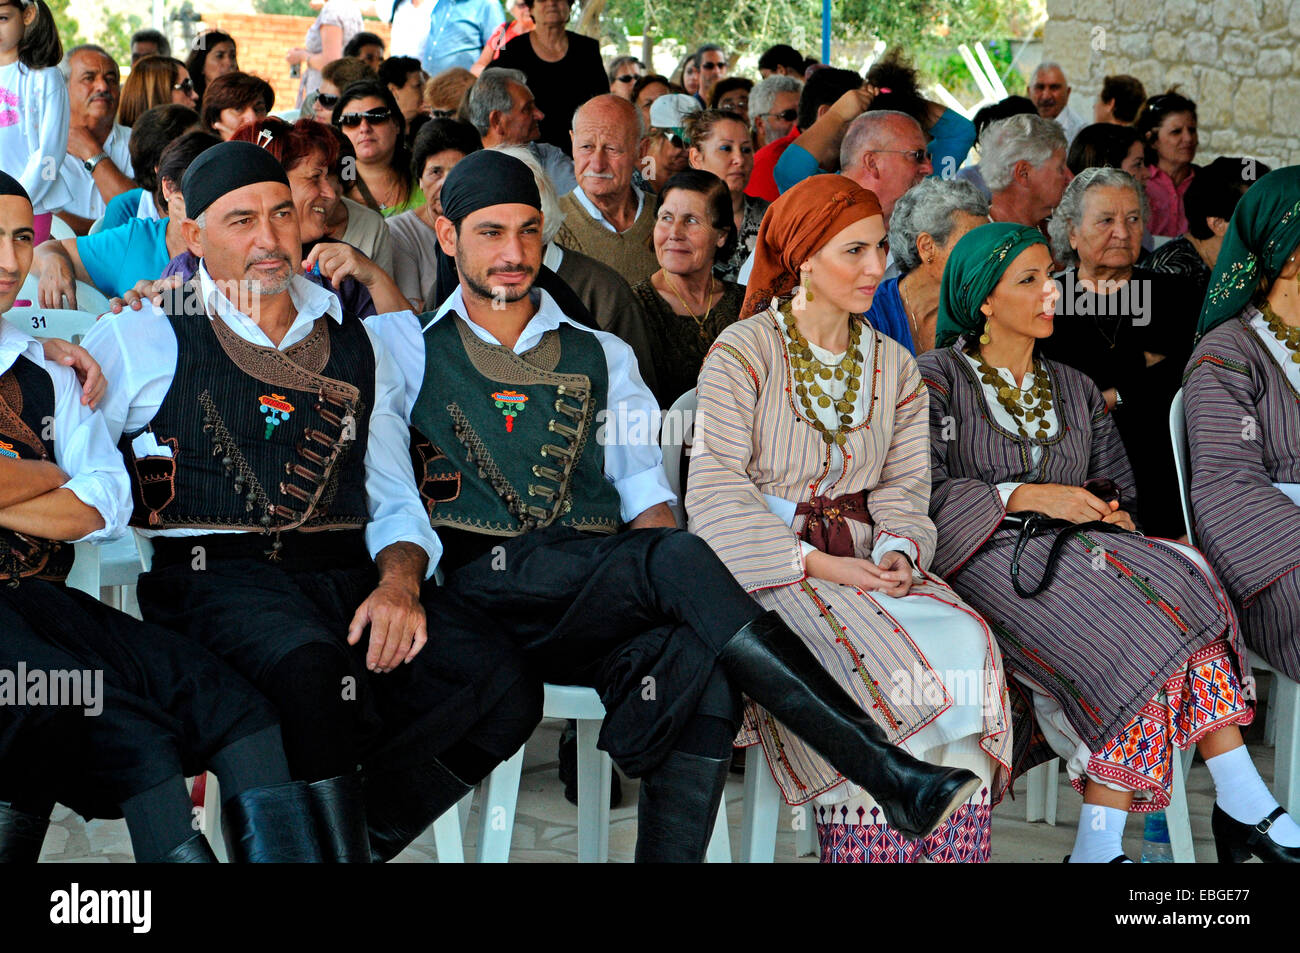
[
  {"x": 1100, "y": 837},
  {"x": 1243, "y": 795}
]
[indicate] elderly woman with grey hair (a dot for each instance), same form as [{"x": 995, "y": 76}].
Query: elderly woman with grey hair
[
  {"x": 1022, "y": 159},
  {"x": 926, "y": 222},
  {"x": 1127, "y": 328}
]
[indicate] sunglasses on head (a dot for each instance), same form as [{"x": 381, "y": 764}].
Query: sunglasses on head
[
  {"x": 442, "y": 113},
  {"x": 327, "y": 100},
  {"x": 372, "y": 116},
  {"x": 785, "y": 115},
  {"x": 185, "y": 86}
]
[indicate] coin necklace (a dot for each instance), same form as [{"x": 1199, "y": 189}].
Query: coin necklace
[
  {"x": 1289, "y": 336},
  {"x": 809, "y": 372},
  {"x": 1009, "y": 397}
]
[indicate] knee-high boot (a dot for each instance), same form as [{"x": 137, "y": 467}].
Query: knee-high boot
[
  {"x": 271, "y": 825},
  {"x": 339, "y": 807},
  {"x": 769, "y": 663},
  {"x": 677, "y": 806},
  {"x": 400, "y": 805},
  {"x": 21, "y": 836},
  {"x": 194, "y": 850}
]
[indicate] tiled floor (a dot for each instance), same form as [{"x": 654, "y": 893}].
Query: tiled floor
[{"x": 546, "y": 824}]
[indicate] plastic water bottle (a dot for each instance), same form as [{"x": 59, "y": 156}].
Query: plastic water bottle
[{"x": 1155, "y": 840}]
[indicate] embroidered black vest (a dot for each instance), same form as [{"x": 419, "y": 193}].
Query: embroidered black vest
[
  {"x": 503, "y": 442},
  {"x": 26, "y": 416},
  {"x": 260, "y": 439}
]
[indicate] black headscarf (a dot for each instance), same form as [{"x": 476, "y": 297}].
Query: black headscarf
[
  {"x": 11, "y": 186},
  {"x": 221, "y": 169}
]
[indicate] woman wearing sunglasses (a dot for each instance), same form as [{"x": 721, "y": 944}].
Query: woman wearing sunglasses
[
  {"x": 1131, "y": 648},
  {"x": 369, "y": 117},
  {"x": 155, "y": 81},
  {"x": 335, "y": 78}
]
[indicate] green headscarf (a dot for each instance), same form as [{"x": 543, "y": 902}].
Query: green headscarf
[
  {"x": 972, "y": 272},
  {"x": 1264, "y": 231}
]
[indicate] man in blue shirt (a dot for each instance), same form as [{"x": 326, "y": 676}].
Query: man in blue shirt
[{"x": 458, "y": 30}]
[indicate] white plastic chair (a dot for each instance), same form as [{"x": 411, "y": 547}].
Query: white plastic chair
[
  {"x": 89, "y": 298},
  {"x": 96, "y": 226},
  {"x": 59, "y": 229},
  {"x": 1282, "y": 722},
  {"x": 52, "y": 322},
  {"x": 677, "y": 429}
]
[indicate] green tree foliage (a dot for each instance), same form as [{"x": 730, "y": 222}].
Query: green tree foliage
[
  {"x": 116, "y": 37},
  {"x": 69, "y": 29}
]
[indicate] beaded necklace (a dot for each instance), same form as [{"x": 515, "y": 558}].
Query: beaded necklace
[
  {"x": 1010, "y": 397},
  {"x": 809, "y": 371}
]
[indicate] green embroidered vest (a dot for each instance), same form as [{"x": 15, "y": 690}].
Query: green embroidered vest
[{"x": 507, "y": 437}]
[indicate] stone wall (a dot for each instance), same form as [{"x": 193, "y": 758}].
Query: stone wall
[{"x": 1239, "y": 60}]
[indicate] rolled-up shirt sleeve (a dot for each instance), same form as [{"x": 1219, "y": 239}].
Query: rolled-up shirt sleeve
[
  {"x": 84, "y": 451},
  {"x": 629, "y": 431},
  {"x": 396, "y": 515}
]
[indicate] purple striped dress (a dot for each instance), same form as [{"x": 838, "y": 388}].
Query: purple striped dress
[
  {"x": 1123, "y": 613},
  {"x": 1243, "y": 424}
]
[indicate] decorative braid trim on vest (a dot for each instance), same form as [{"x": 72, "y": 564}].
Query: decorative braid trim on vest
[{"x": 35, "y": 553}]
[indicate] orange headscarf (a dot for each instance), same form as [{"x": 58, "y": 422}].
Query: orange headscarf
[{"x": 796, "y": 225}]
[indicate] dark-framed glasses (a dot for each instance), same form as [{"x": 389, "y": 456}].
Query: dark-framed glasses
[
  {"x": 184, "y": 86},
  {"x": 375, "y": 117},
  {"x": 327, "y": 100}
]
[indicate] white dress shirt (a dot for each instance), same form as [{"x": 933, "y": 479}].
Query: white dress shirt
[
  {"x": 86, "y": 200},
  {"x": 82, "y": 446},
  {"x": 635, "y": 466},
  {"x": 595, "y": 213},
  {"x": 1069, "y": 122},
  {"x": 138, "y": 352}
]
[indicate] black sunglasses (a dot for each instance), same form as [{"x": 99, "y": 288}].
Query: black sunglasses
[
  {"x": 627, "y": 78},
  {"x": 328, "y": 100},
  {"x": 785, "y": 115},
  {"x": 442, "y": 113},
  {"x": 712, "y": 66},
  {"x": 185, "y": 86},
  {"x": 374, "y": 116}
]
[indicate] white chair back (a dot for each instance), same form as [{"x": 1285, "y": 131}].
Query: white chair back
[
  {"x": 27, "y": 293},
  {"x": 89, "y": 298},
  {"x": 96, "y": 226},
  {"x": 1182, "y": 461},
  {"x": 59, "y": 229},
  {"x": 52, "y": 322},
  {"x": 678, "y": 427}
]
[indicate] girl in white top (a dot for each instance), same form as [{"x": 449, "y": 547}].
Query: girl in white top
[{"x": 33, "y": 106}]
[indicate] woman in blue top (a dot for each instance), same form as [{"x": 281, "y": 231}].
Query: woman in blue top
[
  {"x": 926, "y": 222},
  {"x": 114, "y": 259}
]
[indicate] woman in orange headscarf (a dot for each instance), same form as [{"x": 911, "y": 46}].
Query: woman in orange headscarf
[{"x": 810, "y": 478}]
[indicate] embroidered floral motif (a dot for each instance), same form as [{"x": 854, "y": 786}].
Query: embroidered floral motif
[
  {"x": 277, "y": 410},
  {"x": 510, "y": 402}
]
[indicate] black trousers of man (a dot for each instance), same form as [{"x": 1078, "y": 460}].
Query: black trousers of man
[
  {"x": 640, "y": 616},
  {"x": 467, "y": 700},
  {"x": 167, "y": 704}
]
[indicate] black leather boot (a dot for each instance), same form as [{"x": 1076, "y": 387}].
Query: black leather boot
[
  {"x": 768, "y": 662},
  {"x": 400, "y": 805},
  {"x": 271, "y": 825},
  {"x": 339, "y": 807},
  {"x": 21, "y": 835},
  {"x": 677, "y": 807},
  {"x": 195, "y": 850}
]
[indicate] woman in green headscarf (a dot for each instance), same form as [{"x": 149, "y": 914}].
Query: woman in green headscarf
[
  {"x": 1109, "y": 659},
  {"x": 1243, "y": 417}
]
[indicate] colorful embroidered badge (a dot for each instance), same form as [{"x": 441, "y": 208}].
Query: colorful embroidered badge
[
  {"x": 7, "y": 450},
  {"x": 510, "y": 402},
  {"x": 277, "y": 410}
]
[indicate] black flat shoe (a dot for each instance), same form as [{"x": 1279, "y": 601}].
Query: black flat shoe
[{"x": 1235, "y": 842}]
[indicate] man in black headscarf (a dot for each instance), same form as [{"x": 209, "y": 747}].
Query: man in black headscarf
[
  {"x": 154, "y": 706},
  {"x": 270, "y": 461},
  {"x": 540, "y": 467}
]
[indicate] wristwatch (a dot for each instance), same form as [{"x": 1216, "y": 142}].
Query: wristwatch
[{"x": 93, "y": 161}]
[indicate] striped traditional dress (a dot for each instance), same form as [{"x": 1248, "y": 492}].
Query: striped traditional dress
[
  {"x": 1133, "y": 646},
  {"x": 925, "y": 666},
  {"x": 1243, "y": 423}
]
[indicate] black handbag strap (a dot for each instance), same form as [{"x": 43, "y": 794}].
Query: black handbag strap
[{"x": 1034, "y": 525}]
